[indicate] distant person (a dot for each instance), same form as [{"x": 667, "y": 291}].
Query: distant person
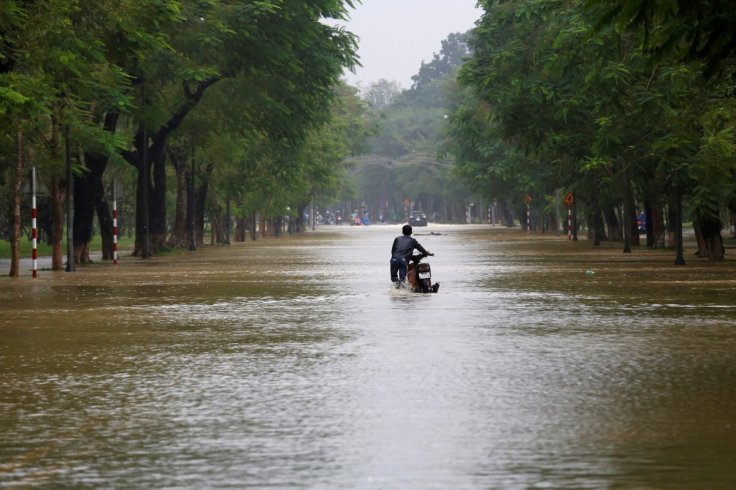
[{"x": 402, "y": 252}]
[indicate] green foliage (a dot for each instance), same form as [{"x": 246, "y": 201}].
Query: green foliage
[
  {"x": 153, "y": 63},
  {"x": 452, "y": 54},
  {"x": 588, "y": 110},
  {"x": 407, "y": 158},
  {"x": 263, "y": 172},
  {"x": 11, "y": 97},
  {"x": 675, "y": 29},
  {"x": 26, "y": 246}
]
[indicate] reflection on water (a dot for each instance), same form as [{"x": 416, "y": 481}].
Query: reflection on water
[{"x": 292, "y": 363}]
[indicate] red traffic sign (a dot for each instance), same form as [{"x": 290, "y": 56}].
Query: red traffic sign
[
  {"x": 569, "y": 199},
  {"x": 527, "y": 199}
]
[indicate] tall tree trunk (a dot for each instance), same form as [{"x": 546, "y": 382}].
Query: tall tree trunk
[
  {"x": 278, "y": 224},
  {"x": 659, "y": 231},
  {"x": 628, "y": 238},
  {"x": 677, "y": 205},
  {"x": 104, "y": 220},
  {"x": 103, "y": 210},
  {"x": 83, "y": 217},
  {"x": 671, "y": 226},
  {"x": 300, "y": 224},
  {"x": 552, "y": 223},
  {"x": 89, "y": 198},
  {"x": 598, "y": 231},
  {"x": 632, "y": 228},
  {"x": 649, "y": 216},
  {"x": 17, "y": 184},
  {"x": 97, "y": 164},
  {"x": 215, "y": 227},
  {"x": 612, "y": 224},
  {"x": 158, "y": 198},
  {"x": 200, "y": 196},
  {"x": 178, "y": 236},
  {"x": 596, "y": 211},
  {"x": 702, "y": 247},
  {"x": 154, "y": 183},
  {"x": 629, "y": 217},
  {"x": 155, "y": 215},
  {"x": 710, "y": 230},
  {"x": 240, "y": 227},
  {"x": 262, "y": 224},
  {"x": 141, "y": 211},
  {"x": 58, "y": 197},
  {"x": 505, "y": 214}
]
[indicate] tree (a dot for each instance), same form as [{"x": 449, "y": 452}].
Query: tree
[
  {"x": 452, "y": 54},
  {"x": 322, "y": 158},
  {"x": 676, "y": 29},
  {"x": 382, "y": 94},
  {"x": 286, "y": 56},
  {"x": 591, "y": 114},
  {"x": 406, "y": 158},
  {"x": 52, "y": 66},
  {"x": 524, "y": 105}
]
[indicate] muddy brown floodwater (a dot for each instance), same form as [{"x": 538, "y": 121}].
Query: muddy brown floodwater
[{"x": 291, "y": 363}]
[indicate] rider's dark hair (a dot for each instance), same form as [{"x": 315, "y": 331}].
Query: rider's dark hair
[{"x": 406, "y": 230}]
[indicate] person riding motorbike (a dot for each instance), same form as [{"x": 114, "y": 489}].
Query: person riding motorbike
[{"x": 402, "y": 253}]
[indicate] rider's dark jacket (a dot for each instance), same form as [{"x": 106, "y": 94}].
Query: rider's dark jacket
[{"x": 404, "y": 246}]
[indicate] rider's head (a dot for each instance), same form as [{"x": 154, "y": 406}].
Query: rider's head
[{"x": 406, "y": 230}]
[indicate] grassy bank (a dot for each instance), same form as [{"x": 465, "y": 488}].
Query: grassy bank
[{"x": 26, "y": 246}]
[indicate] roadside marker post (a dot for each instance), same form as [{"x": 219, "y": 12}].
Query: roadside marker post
[
  {"x": 569, "y": 199},
  {"x": 528, "y": 200},
  {"x": 114, "y": 224},
  {"x": 34, "y": 224}
]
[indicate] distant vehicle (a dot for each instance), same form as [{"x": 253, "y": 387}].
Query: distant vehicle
[
  {"x": 641, "y": 223},
  {"x": 418, "y": 218}
]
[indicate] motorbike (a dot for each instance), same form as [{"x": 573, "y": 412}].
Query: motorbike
[{"x": 419, "y": 276}]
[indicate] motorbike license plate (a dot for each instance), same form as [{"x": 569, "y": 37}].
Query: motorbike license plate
[{"x": 424, "y": 275}]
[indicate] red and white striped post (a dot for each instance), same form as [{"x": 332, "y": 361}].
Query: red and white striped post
[
  {"x": 569, "y": 222},
  {"x": 34, "y": 227},
  {"x": 527, "y": 201},
  {"x": 114, "y": 224},
  {"x": 569, "y": 199}
]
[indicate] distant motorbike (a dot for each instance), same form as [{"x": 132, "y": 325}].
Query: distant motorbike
[{"x": 419, "y": 276}]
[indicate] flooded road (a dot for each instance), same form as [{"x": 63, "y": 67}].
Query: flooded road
[{"x": 291, "y": 363}]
